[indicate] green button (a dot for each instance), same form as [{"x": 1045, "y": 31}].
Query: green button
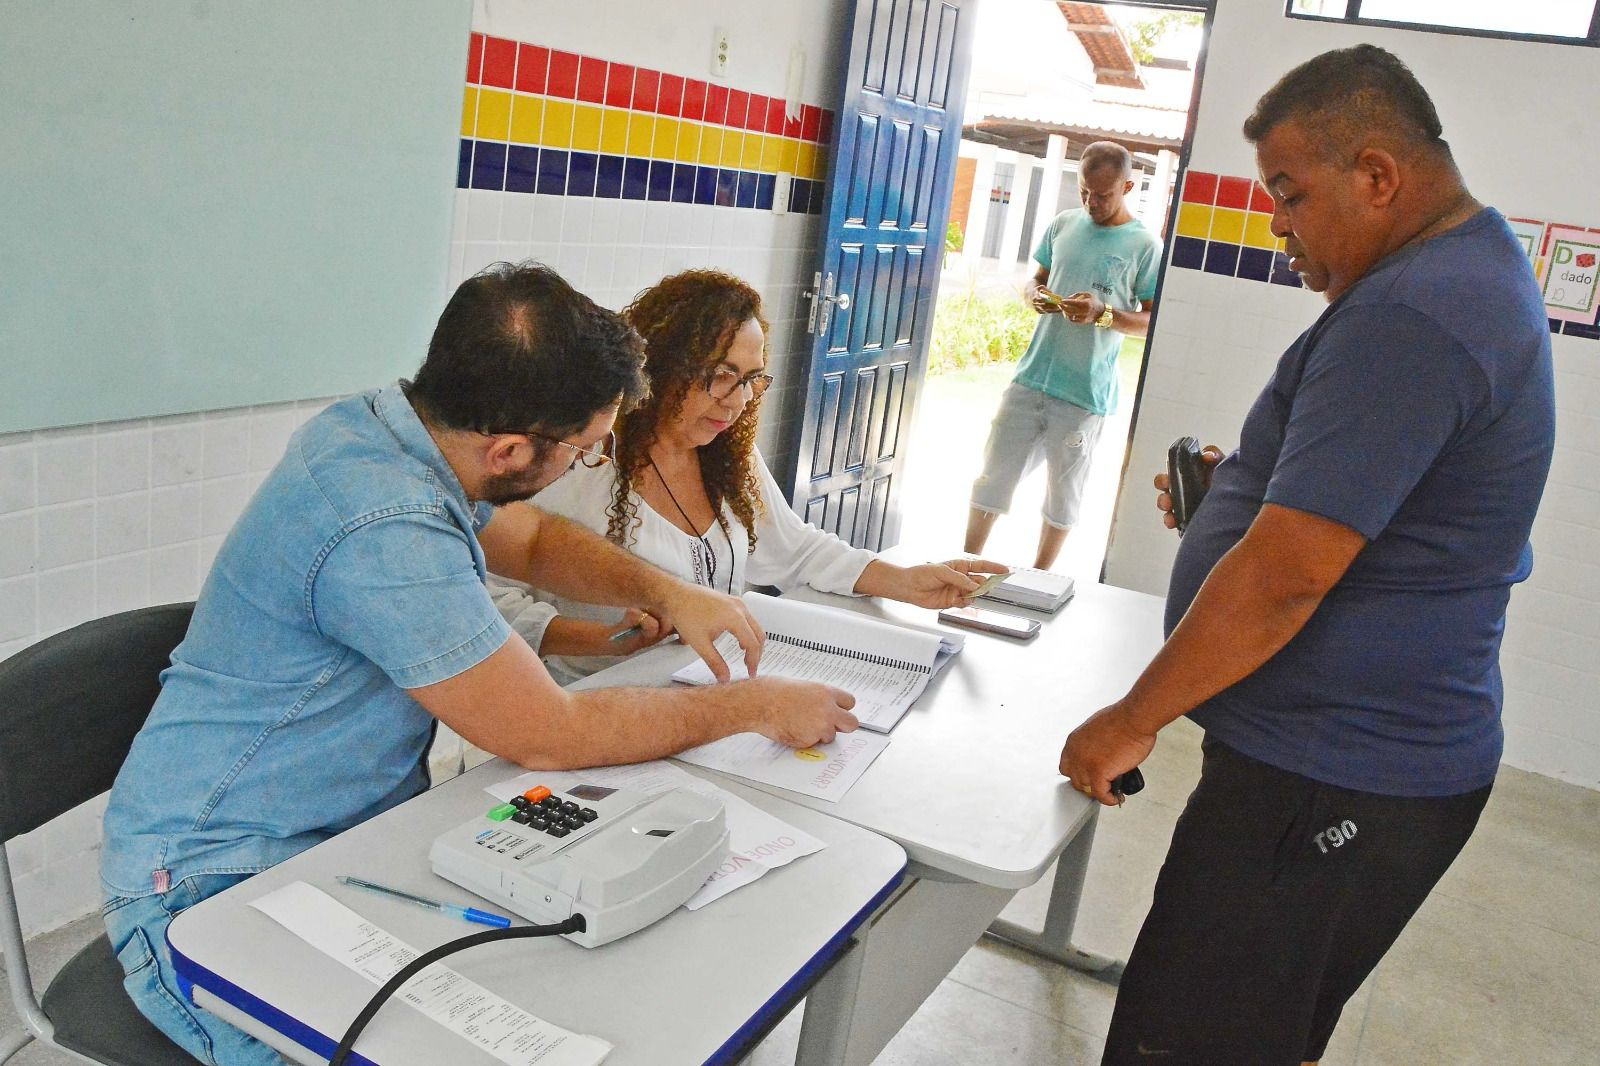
[{"x": 502, "y": 812}]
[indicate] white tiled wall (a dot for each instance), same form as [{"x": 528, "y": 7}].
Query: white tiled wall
[{"x": 100, "y": 519}]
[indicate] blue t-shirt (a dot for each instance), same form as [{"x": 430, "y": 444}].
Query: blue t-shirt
[
  {"x": 1418, "y": 410},
  {"x": 1077, "y": 362},
  {"x": 352, "y": 575}
]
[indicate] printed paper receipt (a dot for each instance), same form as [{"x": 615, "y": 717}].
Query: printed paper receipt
[
  {"x": 503, "y": 1029},
  {"x": 826, "y": 771}
]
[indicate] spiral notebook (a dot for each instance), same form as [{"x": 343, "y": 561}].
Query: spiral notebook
[{"x": 884, "y": 666}]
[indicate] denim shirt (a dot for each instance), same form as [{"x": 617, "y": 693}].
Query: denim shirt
[{"x": 354, "y": 574}]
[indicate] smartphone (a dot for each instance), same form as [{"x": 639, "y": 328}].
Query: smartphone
[
  {"x": 1186, "y": 480},
  {"x": 990, "y": 622}
]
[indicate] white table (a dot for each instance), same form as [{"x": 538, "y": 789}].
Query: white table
[
  {"x": 969, "y": 787},
  {"x": 695, "y": 987}
]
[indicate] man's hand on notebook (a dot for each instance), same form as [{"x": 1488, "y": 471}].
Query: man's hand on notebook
[{"x": 801, "y": 713}]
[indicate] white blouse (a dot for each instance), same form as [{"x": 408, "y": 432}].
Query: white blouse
[{"x": 789, "y": 552}]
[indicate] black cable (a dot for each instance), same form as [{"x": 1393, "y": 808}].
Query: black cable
[{"x": 574, "y": 924}]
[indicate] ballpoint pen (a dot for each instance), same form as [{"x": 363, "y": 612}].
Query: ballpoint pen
[{"x": 470, "y": 914}]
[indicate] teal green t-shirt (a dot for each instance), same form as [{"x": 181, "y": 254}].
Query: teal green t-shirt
[{"x": 1078, "y": 362}]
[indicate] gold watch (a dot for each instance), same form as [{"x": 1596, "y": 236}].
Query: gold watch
[{"x": 1103, "y": 319}]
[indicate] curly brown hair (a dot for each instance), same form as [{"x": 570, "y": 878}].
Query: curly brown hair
[{"x": 688, "y": 320}]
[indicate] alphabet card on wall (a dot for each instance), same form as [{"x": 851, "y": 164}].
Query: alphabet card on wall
[
  {"x": 1531, "y": 233},
  {"x": 1572, "y": 266}
]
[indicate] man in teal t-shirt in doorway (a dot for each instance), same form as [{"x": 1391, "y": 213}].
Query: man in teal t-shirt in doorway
[{"x": 1096, "y": 281}]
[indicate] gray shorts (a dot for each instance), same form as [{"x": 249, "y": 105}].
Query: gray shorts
[{"x": 1031, "y": 426}]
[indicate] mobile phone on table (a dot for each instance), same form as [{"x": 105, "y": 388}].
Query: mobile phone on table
[
  {"x": 1186, "y": 479},
  {"x": 1006, "y": 625}
]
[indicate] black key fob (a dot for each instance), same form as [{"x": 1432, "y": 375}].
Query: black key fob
[
  {"x": 1127, "y": 784},
  {"x": 1186, "y": 479}
]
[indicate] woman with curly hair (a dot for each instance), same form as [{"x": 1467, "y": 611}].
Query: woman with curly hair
[{"x": 687, "y": 489}]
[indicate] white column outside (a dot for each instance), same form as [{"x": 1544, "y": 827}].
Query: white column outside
[
  {"x": 1011, "y": 234},
  {"x": 1050, "y": 193},
  {"x": 978, "y": 210}
]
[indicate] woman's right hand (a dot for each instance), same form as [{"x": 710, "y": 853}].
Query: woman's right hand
[
  {"x": 1210, "y": 455},
  {"x": 651, "y": 630}
]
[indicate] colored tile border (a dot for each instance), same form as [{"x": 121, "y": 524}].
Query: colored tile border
[
  {"x": 542, "y": 120},
  {"x": 1224, "y": 227}
]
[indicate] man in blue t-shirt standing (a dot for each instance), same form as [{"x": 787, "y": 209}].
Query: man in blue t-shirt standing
[
  {"x": 1337, "y": 604},
  {"x": 1096, "y": 281}
]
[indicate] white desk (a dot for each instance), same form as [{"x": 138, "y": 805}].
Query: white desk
[
  {"x": 969, "y": 787},
  {"x": 695, "y": 987}
]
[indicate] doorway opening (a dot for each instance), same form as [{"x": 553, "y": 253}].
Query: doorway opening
[{"x": 1048, "y": 79}]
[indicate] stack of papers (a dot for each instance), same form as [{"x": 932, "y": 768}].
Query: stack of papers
[{"x": 1038, "y": 590}]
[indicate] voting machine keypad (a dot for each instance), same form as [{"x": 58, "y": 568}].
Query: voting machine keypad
[{"x": 540, "y": 812}]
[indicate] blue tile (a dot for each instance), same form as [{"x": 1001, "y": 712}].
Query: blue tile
[
  {"x": 553, "y": 172},
  {"x": 608, "y": 182},
  {"x": 489, "y": 165},
  {"x": 765, "y": 184},
  {"x": 1255, "y": 263},
  {"x": 1188, "y": 252},
  {"x": 705, "y": 185},
  {"x": 1581, "y": 329},
  {"x": 683, "y": 183},
  {"x": 746, "y": 195},
  {"x": 1222, "y": 258},
  {"x": 660, "y": 179},
  {"x": 635, "y": 178},
  {"x": 464, "y": 165},
  {"x": 522, "y": 168},
  {"x": 581, "y": 168},
  {"x": 799, "y": 196},
  {"x": 1281, "y": 274},
  {"x": 727, "y": 187},
  {"x": 1555, "y": 325},
  {"x": 819, "y": 197}
]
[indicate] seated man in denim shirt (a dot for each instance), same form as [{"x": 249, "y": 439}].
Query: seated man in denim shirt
[{"x": 346, "y": 613}]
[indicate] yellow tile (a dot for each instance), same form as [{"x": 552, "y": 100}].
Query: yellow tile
[
  {"x": 807, "y": 161},
  {"x": 788, "y": 154},
  {"x": 771, "y": 153},
  {"x": 711, "y": 146},
  {"x": 614, "y": 131},
  {"x": 494, "y": 114},
  {"x": 641, "y": 131},
  {"x": 586, "y": 128},
  {"x": 732, "y": 148},
  {"x": 689, "y": 134},
  {"x": 469, "y": 111},
  {"x": 665, "y": 145},
  {"x": 1227, "y": 225},
  {"x": 557, "y": 124},
  {"x": 1258, "y": 231},
  {"x": 1194, "y": 220},
  {"x": 753, "y": 145},
  {"x": 527, "y": 119}
]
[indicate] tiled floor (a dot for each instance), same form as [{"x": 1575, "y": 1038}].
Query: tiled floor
[{"x": 1501, "y": 966}]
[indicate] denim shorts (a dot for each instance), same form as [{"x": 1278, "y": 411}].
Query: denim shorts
[
  {"x": 1028, "y": 427},
  {"x": 137, "y": 929}
]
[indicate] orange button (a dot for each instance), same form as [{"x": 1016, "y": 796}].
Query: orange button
[{"x": 536, "y": 793}]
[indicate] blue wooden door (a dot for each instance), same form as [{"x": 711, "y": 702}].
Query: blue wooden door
[{"x": 894, "y": 157}]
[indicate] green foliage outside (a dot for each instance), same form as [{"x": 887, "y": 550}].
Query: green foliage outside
[
  {"x": 973, "y": 330},
  {"x": 1146, "y": 33}
]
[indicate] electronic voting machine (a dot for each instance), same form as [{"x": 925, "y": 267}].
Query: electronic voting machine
[{"x": 620, "y": 858}]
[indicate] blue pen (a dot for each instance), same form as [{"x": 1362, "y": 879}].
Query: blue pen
[{"x": 470, "y": 914}]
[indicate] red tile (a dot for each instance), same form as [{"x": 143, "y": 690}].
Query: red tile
[
  {"x": 756, "y": 118},
  {"x": 1199, "y": 187},
  {"x": 825, "y": 130},
  {"x": 738, "y": 106},
  {"x": 810, "y": 121},
  {"x": 671, "y": 100},
  {"x": 563, "y": 75},
  {"x": 475, "y": 58},
  {"x": 791, "y": 126},
  {"x": 646, "y": 87},
  {"x": 533, "y": 64},
  {"x": 1260, "y": 199},
  {"x": 694, "y": 99},
  {"x": 775, "y": 115},
  {"x": 619, "y": 85},
  {"x": 1233, "y": 192},
  {"x": 717, "y": 104},
  {"x": 499, "y": 62},
  {"x": 591, "y": 79}
]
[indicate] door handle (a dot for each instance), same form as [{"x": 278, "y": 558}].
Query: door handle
[{"x": 822, "y": 301}]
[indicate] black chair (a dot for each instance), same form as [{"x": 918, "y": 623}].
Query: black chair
[{"x": 70, "y": 706}]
